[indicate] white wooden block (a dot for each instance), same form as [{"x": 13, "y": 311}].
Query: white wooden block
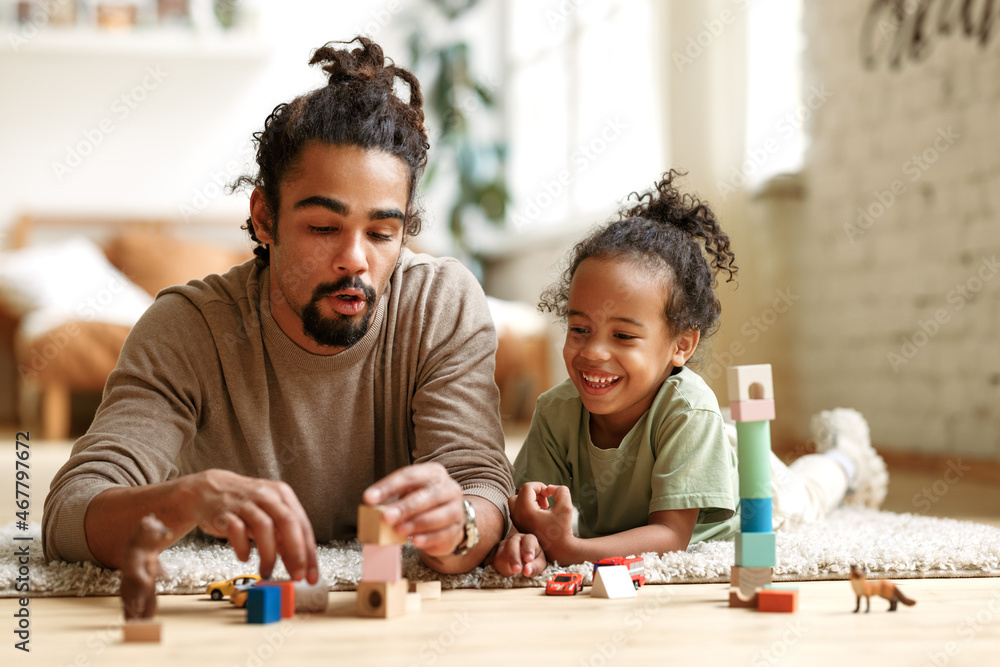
[
  {"x": 429, "y": 590},
  {"x": 311, "y": 598},
  {"x": 747, "y": 383},
  {"x": 613, "y": 581}
]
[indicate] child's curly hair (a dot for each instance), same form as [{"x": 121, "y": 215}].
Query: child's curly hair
[{"x": 673, "y": 233}]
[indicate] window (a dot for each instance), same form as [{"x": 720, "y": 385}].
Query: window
[
  {"x": 582, "y": 110},
  {"x": 777, "y": 112}
]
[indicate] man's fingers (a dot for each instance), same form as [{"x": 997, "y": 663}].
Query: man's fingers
[
  {"x": 298, "y": 542},
  {"x": 402, "y": 481},
  {"x": 262, "y": 530},
  {"x": 439, "y": 543},
  {"x": 230, "y": 526},
  {"x": 438, "y": 518},
  {"x": 440, "y": 493}
]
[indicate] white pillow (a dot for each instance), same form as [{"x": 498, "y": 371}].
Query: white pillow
[{"x": 67, "y": 281}]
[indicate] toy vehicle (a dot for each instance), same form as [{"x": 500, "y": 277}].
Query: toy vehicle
[
  {"x": 239, "y": 596},
  {"x": 566, "y": 583},
  {"x": 636, "y": 567},
  {"x": 221, "y": 589}
]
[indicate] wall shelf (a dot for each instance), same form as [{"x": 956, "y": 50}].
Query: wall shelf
[{"x": 153, "y": 41}]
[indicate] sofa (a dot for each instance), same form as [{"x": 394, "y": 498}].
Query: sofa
[{"x": 68, "y": 301}]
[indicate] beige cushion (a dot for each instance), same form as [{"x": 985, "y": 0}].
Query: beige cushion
[
  {"x": 154, "y": 261},
  {"x": 77, "y": 355}
]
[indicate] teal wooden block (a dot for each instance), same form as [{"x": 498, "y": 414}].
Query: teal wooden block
[
  {"x": 755, "y": 549},
  {"x": 753, "y": 451},
  {"x": 755, "y": 515},
  {"x": 264, "y": 604}
]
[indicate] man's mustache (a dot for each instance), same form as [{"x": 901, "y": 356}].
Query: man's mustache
[{"x": 347, "y": 282}]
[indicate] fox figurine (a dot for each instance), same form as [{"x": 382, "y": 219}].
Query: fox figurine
[{"x": 886, "y": 589}]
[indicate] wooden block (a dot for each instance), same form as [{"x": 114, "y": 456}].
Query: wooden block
[
  {"x": 613, "y": 581},
  {"x": 141, "y": 630},
  {"x": 737, "y": 600},
  {"x": 785, "y": 600},
  {"x": 264, "y": 604},
  {"x": 744, "y": 582},
  {"x": 287, "y": 596},
  {"x": 372, "y": 530},
  {"x": 755, "y": 515},
  {"x": 753, "y": 458},
  {"x": 412, "y": 602},
  {"x": 755, "y": 549},
  {"x": 747, "y": 383},
  {"x": 381, "y": 562},
  {"x": 382, "y": 599},
  {"x": 429, "y": 590},
  {"x": 752, "y": 411},
  {"x": 311, "y": 598}
]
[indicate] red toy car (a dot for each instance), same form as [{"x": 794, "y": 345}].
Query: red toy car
[
  {"x": 567, "y": 583},
  {"x": 636, "y": 567}
]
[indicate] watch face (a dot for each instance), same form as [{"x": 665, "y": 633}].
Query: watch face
[{"x": 471, "y": 531}]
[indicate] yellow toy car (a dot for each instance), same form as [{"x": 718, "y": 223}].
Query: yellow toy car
[{"x": 221, "y": 589}]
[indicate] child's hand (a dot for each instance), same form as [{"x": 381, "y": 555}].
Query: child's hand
[
  {"x": 532, "y": 513},
  {"x": 519, "y": 553}
]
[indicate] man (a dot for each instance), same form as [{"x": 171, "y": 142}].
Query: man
[{"x": 338, "y": 367}]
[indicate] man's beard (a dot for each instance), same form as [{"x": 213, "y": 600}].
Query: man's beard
[{"x": 340, "y": 330}]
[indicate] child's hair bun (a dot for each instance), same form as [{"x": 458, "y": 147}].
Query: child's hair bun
[{"x": 667, "y": 205}]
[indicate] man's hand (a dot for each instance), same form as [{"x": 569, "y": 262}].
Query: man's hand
[
  {"x": 240, "y": 509},
  {"x": 423, "y": 502},
  {"x": 532, "y": 513},
  {"x": 519, "y": 553}
]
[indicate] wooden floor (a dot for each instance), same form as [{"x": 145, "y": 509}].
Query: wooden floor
[{"x": 955, "y": 622}]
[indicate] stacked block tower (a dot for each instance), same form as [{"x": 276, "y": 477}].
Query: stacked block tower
[
  {"x": 751, "y": 401},
  {"x": 382, "y": 590}
]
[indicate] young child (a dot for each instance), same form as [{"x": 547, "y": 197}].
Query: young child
[{"x": 634, "y": 438}]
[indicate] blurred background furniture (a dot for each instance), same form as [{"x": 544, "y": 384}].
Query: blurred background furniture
[
  {"x": 66, "y": 308},
  {"x": 71, "y": 288}
]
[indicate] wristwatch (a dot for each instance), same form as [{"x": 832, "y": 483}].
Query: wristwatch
[{"x": 471, "y": 538}]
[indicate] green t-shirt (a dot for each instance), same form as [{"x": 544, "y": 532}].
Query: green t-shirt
[{"x": 676, "y": 457}]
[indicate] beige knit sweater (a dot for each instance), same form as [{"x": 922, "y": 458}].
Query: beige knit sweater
[{"x": 207, "y": 379}]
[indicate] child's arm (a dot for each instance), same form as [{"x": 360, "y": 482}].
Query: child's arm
[{"x": 667, "y": 530}]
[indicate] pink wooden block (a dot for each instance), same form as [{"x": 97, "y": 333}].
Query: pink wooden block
[
  {"x": 382, "y": 562},
  {"x": 757, "y": 410}
]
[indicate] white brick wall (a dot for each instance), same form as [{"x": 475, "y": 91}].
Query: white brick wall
[{"x": 861, "y": 299}]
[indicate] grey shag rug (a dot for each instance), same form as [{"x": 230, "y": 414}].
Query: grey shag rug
[{"x": 898, "y": 546}]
